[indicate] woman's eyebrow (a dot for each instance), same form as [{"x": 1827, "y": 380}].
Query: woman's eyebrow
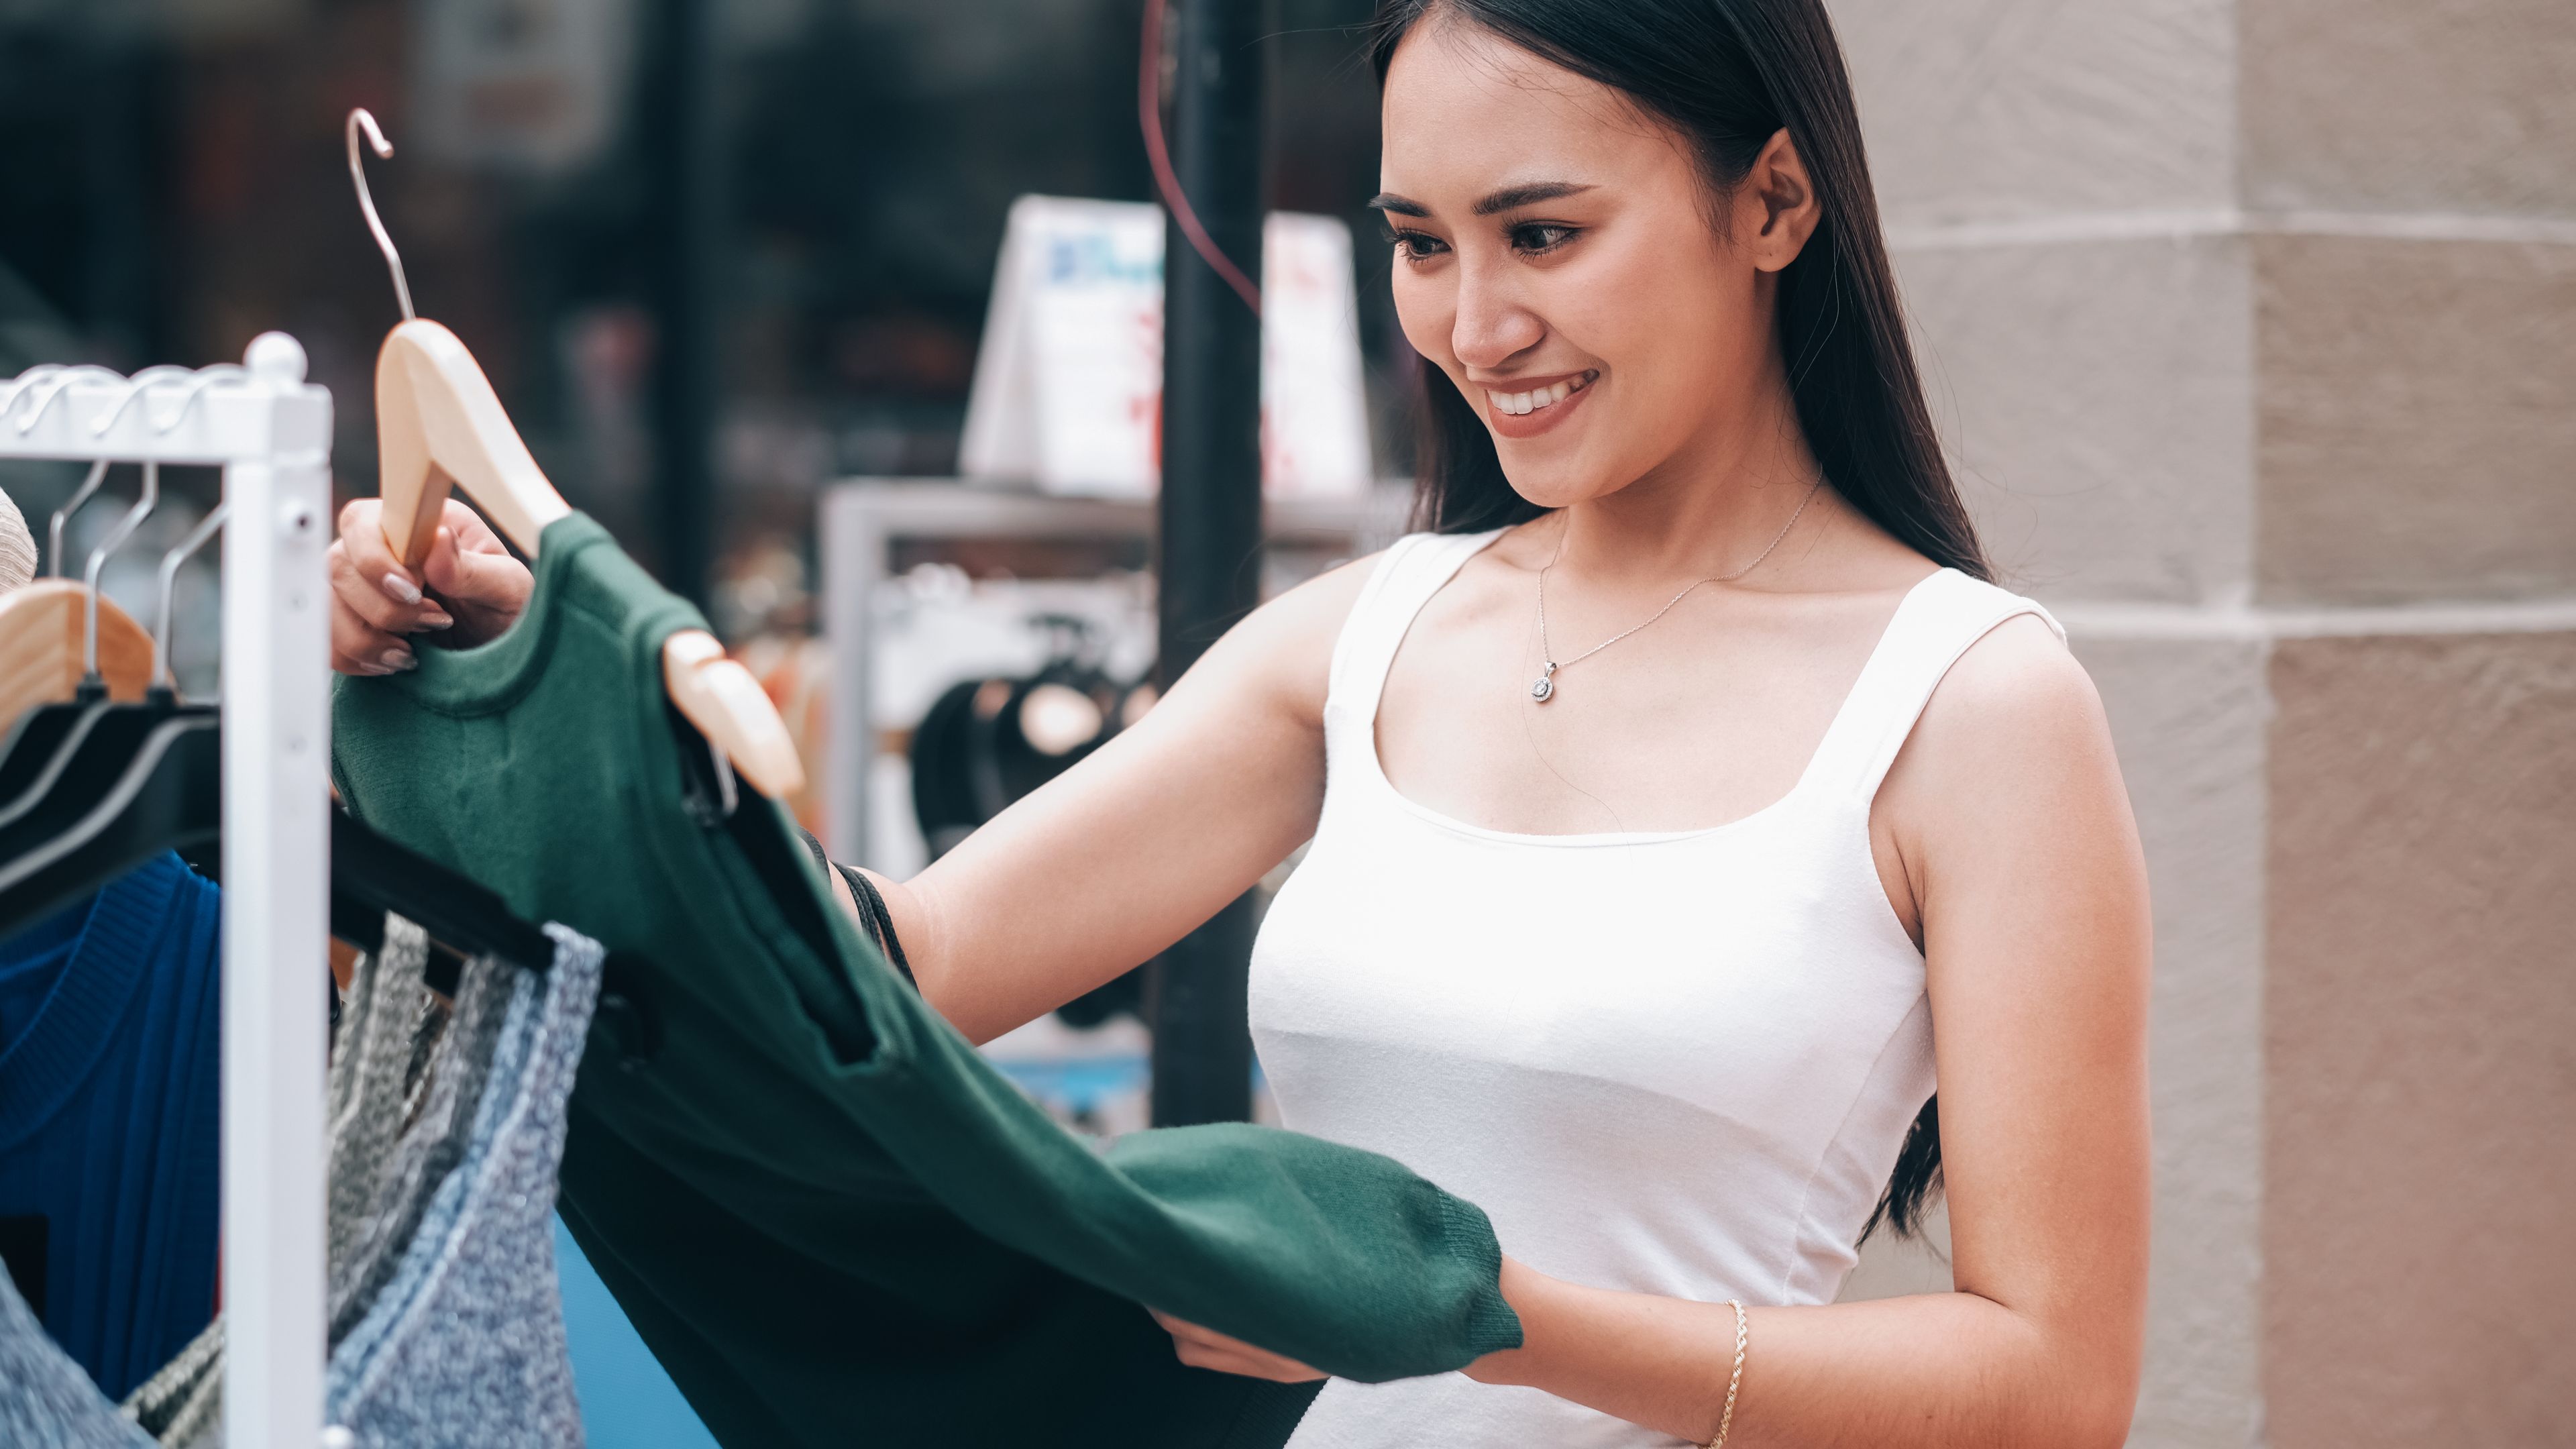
[
  {"x": 1494, "y": 201},
  {"x": 1512, "y": 196}
]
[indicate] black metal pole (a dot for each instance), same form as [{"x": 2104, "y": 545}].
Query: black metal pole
[
  {"x": 1209, "y": 550},
  {"x": 685, "y": 215}
]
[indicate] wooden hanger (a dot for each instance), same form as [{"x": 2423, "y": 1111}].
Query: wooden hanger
[
  {"x": 42, "y": 624},
  {"x": 439, "y": 426},
  {"x": 40, "y": 648}
]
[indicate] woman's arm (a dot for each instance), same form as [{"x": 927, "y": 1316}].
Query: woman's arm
[
  {"x": 2008, "y": 812},
  {"x": 1144, "y": 839},
  {"x": 1091, "y": 875}
]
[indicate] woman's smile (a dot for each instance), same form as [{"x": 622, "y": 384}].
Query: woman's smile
[{"x": 1527, "y": 407}]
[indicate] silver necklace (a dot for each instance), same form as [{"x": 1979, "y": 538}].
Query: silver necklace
[{"x": 1543, "y": 688}]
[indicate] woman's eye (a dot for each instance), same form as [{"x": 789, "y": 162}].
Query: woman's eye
[
  {"x": 1535, "y": 237},
  {"x": 1415, "y": 246}
]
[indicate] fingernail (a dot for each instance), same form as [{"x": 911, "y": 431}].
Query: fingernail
[
  {"x": 373, "y": 671},
  {"x": 398, "y": 658},
  {"x": 436, "y": 620},
  {"x": 401, "y": 588}
]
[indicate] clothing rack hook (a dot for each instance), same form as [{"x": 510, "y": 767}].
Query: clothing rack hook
[
  {"x": 58, "y": 381},
  {"x": 206, "y": 528},
  {"x": 54, "y": 536},
  {"x": 134, "y": 387},
  {"x": 359, "y": 120},
  {"x": 116, "y": 538},
  {"x": 199, "y": 380}
]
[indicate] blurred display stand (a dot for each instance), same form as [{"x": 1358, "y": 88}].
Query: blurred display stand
[
  {"x": 926, "y": 582},
  {"x": 1068, "y": 384}
]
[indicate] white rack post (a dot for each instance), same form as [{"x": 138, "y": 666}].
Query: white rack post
[{"x": 270, "y": 431}]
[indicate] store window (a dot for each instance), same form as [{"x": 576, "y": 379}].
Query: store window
[{"x": 712, "y": 255}]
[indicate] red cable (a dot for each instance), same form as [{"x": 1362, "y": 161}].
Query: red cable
[{"x": 1149, "y": 105}]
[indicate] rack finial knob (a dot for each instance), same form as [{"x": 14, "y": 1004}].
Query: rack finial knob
[{"x": 275, "y": 357}]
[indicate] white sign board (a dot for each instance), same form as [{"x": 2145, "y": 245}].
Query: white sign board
[
  {"x": 534, "y": 86},
  {"x": 1069, "y": 383}
]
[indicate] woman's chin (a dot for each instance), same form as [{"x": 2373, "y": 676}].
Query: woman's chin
[{"x": 1557, "y": 483}]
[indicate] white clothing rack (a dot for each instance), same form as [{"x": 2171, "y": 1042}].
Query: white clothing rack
[{"x": 270, "y": 431}]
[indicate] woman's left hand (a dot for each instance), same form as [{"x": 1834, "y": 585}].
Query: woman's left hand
[{"x": 1208, "y": 1349}]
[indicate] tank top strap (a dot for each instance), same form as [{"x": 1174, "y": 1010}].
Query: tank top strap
[
  {"x": 1935, "y": 624},
  {"x": 1412, "y": 569}
]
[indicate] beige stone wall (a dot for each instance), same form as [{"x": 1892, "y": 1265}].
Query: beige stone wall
[
  {"x": 2420, "y": 989},
  {"x": 2416, "y": 417},
  {"x": 2251, "y": 325}
]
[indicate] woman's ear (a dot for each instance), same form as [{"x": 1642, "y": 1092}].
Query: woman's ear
[{"x": 1775, "y": 205}]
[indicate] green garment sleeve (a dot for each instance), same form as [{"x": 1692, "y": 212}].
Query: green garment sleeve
[{"x": 806, "y": 1159}]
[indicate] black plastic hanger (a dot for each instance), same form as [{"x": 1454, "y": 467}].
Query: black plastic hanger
[
  {"x": 373, "y": 874},
  {"x": 93, "y": 827},
  {"x": 92, "y": 741}
]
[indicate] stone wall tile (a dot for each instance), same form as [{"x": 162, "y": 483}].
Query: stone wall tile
[
  {"x": 2416, "y": 406},
  {"x": 2420, "y": 1043},
  {"x": 2410, "y": 105},
  {"x": 1979, "y": 109},
  {"x": 2187, "y": 717},
  {"x": 2095, "y": 402}
]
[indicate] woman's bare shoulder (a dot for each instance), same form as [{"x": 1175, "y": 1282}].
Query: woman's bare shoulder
[
  {"x": 2012, "y": 725},
  {"x": 1284, "y": 648},
  {"x": 2019, "y": 675}
]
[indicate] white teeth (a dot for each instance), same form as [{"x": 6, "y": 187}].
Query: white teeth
[{"x": 1522, "y": 404}]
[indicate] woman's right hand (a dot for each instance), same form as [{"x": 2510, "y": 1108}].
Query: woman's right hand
[{"x": 467, "y": 590}]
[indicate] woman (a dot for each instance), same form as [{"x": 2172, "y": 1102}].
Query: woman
[{"x": 1678, "y": 804}]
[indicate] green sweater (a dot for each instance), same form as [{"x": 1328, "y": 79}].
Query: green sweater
[{"x": 830, "y": 1218}]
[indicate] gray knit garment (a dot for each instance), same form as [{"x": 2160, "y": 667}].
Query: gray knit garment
[
  {"x": 183, "y": 1405},
  {"x": 46, "y": 1400},
  {"x": 443, "y": 1104},
  {"x": 464, "y": 1348},
  {"x": 398, "y": 1066}
]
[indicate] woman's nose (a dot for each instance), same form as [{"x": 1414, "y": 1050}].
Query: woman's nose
[{"x": 1493, "y": 324}]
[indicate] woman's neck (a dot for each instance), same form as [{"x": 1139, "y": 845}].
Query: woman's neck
[{"x": 1710, "y": 509}]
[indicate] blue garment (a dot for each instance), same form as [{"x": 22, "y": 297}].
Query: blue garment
[
  {"x": 464, "y": 1348},
  {"x": 109, "y": 1111}
]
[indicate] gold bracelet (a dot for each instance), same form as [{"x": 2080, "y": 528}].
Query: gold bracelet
[{"x": 1735, "y": 1379}]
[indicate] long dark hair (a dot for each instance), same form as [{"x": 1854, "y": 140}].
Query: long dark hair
[{"x": 1727, "y": 75}]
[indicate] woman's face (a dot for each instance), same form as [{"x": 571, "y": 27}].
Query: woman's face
[{"x": 1555, "y": 255}]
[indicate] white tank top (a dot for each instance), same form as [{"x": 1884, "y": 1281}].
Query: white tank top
[{"x": 1678, "y": 1063}]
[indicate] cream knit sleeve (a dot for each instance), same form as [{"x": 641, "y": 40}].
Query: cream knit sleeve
[{"x": 17, "y": 548}]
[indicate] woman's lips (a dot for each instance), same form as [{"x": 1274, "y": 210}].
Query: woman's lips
[{"x": 1532, "y": 406}]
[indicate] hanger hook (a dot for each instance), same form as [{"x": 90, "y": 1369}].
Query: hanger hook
[
  {"x": 63, "y": 515},
  {"x": 170, "y": 562},
  {"x": 116, "y": 538},
  {"x": 359, "y": 120}
]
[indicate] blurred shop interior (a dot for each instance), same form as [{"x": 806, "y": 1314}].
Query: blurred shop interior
[{"x": 717, "y": 260}]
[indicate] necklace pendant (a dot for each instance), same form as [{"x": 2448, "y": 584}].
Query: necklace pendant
[{"x": 1543, "y": 688}]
